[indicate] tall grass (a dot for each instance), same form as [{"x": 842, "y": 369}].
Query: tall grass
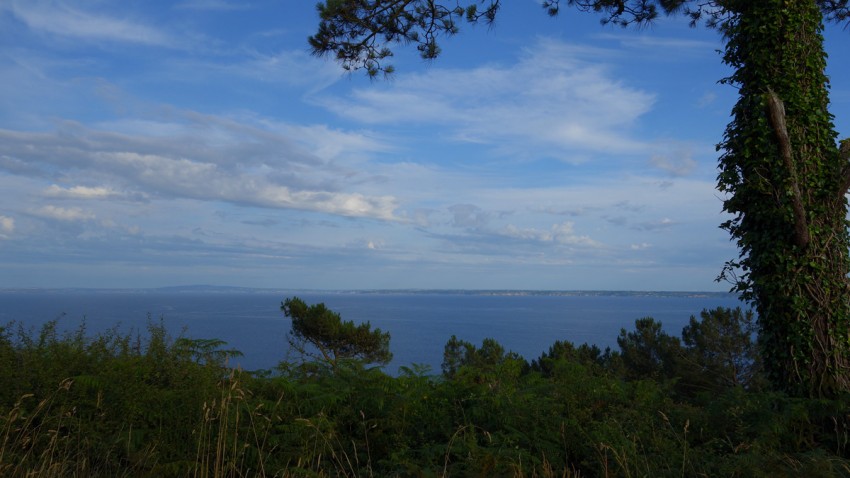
[{"x": 232, "y": 439}]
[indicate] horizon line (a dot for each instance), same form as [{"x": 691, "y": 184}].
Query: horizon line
[{"x": 198, "y": 287}]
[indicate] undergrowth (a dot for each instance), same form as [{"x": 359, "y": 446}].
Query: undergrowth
[{"x": 151, "y": 405}]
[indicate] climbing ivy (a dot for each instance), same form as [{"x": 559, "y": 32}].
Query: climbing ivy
[{"x": 784, "y": 182}]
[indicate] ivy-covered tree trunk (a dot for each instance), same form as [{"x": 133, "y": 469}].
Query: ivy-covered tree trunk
[{"x": 785, "y": 182}]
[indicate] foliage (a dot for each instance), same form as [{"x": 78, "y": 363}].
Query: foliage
[
  {"x": 488, "y": 364},
  {"x": 648, "y": 351},
  {"x": 150, "y": 405},
  {"x": 357, "y": 31},
  {"x": 110, "y": 405},
  {"x": 318, "y": 328},
  {"x": 359, "y": 34},
  {"x": 720, "y": 352},
  {"x": 590, "y": 356},
  {"x": 785, "y": 183}
]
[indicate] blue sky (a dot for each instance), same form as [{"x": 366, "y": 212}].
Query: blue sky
[{"x": 150, "y": 143}]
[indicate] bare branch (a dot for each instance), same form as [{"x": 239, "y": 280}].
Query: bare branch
[{"x": 776, "y": 117}]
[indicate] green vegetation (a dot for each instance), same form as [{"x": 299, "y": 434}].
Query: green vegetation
[
  {"x": 151, "y": 405},
  {"x": 786, "y": 184},
  {"x": 320, "y": 333},
  {"x": 783, "y": 175}
]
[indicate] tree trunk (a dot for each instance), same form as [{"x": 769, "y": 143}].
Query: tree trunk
[{"x": 785, "y": 183}]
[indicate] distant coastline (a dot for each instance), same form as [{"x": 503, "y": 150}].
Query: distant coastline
[{"x": 213, "y": 289}]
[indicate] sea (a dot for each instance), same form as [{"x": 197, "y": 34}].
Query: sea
[{"x": 420, "y": 322}]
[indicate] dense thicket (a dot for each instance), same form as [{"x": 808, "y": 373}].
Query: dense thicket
[{"x": 123, "y": 405}]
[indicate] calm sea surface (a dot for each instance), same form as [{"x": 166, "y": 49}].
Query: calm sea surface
[{"x": 419, "y": 323}]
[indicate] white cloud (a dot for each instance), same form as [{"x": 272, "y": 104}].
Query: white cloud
[
  {"x": 213, "y": 5},
  {"x": 80, "y": 192},
  {"x": 563, "y": 233},
  {"x": 374, "y": 245},
  {"x": 72, "y": 214},
  {"x": 678, "y": 163},
  {"x": 181, "y": 177},
  {"x": 672, "y": 46},
  {"x": 563, "y": 106},
  {"x": 328, "y": 143},
  {"x": 468, "y": 216},
  {"x": 290, "y": 68},
  {"x": 663, "y": 223},
  {"x": 60, "y": 18},
  {"x": 7, "y": 226},
  {"x": 708, "y": 98},
  {"x": 204, "y": 158},
  {"x": 356, "y": 205}
]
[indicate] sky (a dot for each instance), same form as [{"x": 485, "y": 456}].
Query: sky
[{"x": 150, "y": 143}]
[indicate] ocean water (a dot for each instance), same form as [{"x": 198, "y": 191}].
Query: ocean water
[{"x": 419, "y": 323}]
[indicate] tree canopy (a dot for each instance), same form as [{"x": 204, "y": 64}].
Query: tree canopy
[
  {"x": 320, "y": 333},
  {"x": 359, "y": 33}
]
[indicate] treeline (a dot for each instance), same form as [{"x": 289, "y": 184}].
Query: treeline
[{"x": 151, "y": 405}]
